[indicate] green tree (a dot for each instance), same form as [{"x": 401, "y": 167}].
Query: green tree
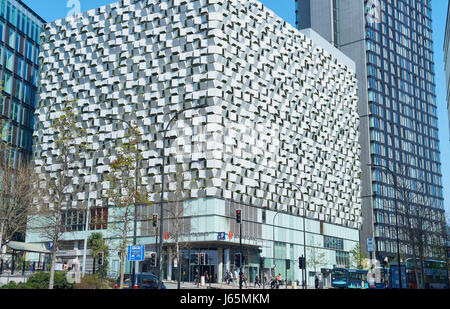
[
  {"x": 358, "y": 256},
  {"x": 125, "y": 191},
  {"x": 98, "y": 244},
  {"x": 315, "y": 258},
  {"x": 55, "y": 184}
]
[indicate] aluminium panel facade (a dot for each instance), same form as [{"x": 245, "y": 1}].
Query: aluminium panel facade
[{"x": 280, "y": 107}]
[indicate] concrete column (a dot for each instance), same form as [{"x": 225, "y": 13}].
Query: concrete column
[
  {"x": 169, "y": 266},
  {"x": 226, "y": 254}
]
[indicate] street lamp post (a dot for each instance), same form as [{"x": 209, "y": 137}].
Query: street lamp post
[
  {"x": 273, "y": 238},
  {"x": 396, "y": 217},
  {"x": 87, "y": 221},
  {"x": 304, "y": 232},
  {"x": 2, "y": 222},
  {"x": 161, "y": 220},
  {"x": 133, "y": 272}
]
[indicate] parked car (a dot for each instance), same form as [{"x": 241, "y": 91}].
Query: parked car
[{"x": 144, "y": 281}]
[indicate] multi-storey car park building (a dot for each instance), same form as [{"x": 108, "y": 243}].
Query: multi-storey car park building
[
  {"x": 281, "y": 106},
  {"x": 391, "y": 44},
  {"x": 20, "y": 29}
]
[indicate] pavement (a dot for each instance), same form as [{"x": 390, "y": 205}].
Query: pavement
[
  {"x": 170, "y": 284},
  {"x": 190, "y": 285}
]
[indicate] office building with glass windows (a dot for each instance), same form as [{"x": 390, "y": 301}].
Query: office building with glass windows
[
  {"x": 20, "y": 30},
  {"x": 281, "y": 106},
  {"x": 391, "y": 44},
  {"x": 447, "y": 59}
]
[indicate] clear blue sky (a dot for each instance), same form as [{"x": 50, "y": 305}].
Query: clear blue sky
[{"x": 51, "y": 10}]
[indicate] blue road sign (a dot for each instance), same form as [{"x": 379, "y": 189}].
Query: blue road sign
[{"x": 136, "y": 253}]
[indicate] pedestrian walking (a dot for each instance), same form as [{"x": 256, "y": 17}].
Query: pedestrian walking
[
  {"x": 196, "y": 278},
  {"x": 257, "y": 281},
  {"x": 206, "y": 276},
  {"x": 316, "y": 282},
  {"x": 228, "y": 277},
  {"x": 244, "y": 280}
]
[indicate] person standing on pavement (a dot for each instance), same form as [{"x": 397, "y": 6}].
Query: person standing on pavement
[{"x": 316, "y": 282}]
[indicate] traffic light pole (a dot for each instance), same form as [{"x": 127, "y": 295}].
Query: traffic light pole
[{"x": 240, "y": 256}]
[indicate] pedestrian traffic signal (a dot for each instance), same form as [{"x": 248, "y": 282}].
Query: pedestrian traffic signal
[
  {"x": 155, "y": 220},
  {"x": 153, "y": 259},
  {"x": 238, "y": 216},
  {"x": 202, "y": 259},
  {"x": 237, "y": 260},
  {"x": 100, "y": 258}
]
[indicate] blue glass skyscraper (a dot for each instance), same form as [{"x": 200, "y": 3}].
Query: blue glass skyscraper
[
  {"x": 391, "y": 43},
  {"x": 20, "y": 30}
]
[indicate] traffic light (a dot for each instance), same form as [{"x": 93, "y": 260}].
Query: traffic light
[
  {"x": 237, "y": 260},
  {"x": 238, "y": 216},
  {"x": 155, "y": 220},
  {"x": 153, "y": 259},
  {"x": 100, "y": 258},
  {"x": 301, "y": 262},
  {"x": 288, "y": 264},
  {"x": 202, "y": 258}
]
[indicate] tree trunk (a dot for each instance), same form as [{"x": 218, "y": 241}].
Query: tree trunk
[
  {"x": 122, "y": 269},
  {"x": 123, "y": 258},
  {"x": 179, "y": 264},
  {"x": 52, "y": 268}
]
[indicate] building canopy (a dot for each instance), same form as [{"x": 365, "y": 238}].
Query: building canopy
[{"x": 28, "y": 247}]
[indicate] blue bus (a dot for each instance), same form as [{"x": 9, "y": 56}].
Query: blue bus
[
  {"x": 357, "y": 279},
  {"x": 339, "y": 278},
  {"x": 344, "y": 278}
]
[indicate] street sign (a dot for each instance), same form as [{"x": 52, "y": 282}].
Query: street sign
[
  {"x": 136, "y": 253},
  {"x": 230, "y": 235},
  {"x": 370, "y": 245}
]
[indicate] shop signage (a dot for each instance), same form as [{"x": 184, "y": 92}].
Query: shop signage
[
  {"x": 221, "y": 236},
  {"x": 166, "y": 235}
]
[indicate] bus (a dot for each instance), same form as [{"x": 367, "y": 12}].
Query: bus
[
  {"x": 343, "y": 278},
  {"x": 435, "y": 274},
  {"x": 357, "y": 279},
  {"x": 339, "y": 278}
]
